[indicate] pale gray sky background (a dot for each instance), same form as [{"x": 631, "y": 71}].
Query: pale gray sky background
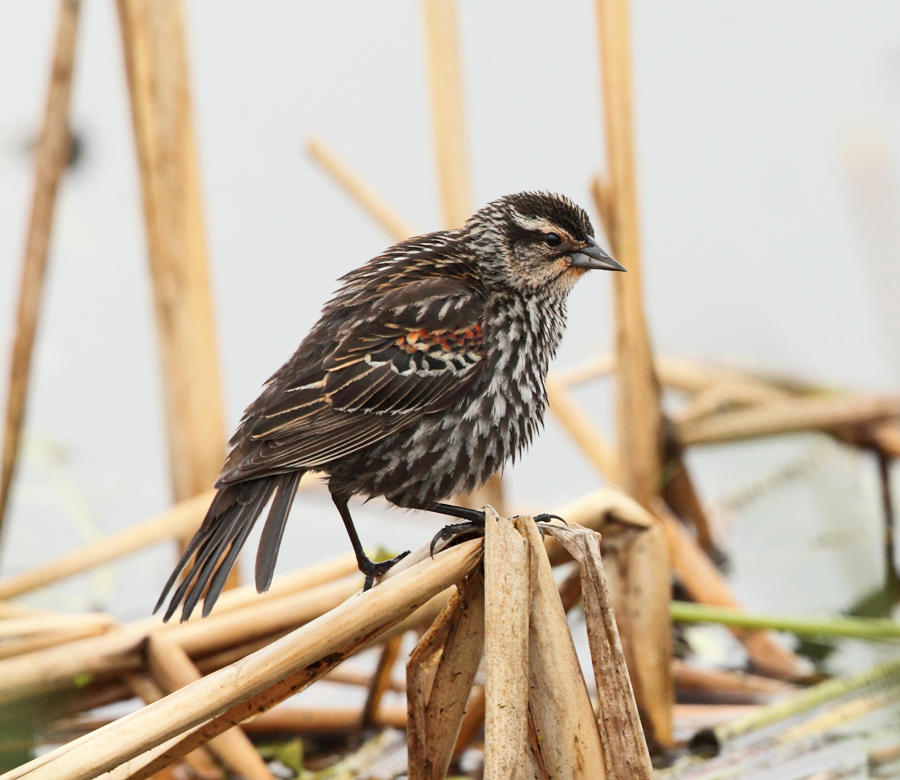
[{"x": 768, "y": 136}]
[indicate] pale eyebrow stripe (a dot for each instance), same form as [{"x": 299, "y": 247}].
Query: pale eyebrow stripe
[{"x": 536, "y": 223}]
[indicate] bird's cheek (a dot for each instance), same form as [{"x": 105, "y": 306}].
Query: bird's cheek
[
  {"x": 571, "y": 273},
  {"x": 575, "y": 272}
]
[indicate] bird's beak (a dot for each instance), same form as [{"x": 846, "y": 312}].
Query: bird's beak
[{"x": 592, "y": 256}]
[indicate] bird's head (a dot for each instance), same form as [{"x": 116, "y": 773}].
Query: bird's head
[{"x": 536, "y": 242}]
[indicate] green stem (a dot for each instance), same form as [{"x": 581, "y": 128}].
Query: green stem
[{"x": 858, "y": 628}]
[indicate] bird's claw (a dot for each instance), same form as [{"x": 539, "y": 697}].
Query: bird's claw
[
  {"x": 373, "y": 570},
  {"x": 454, "y": 531},
  {"x": 545, "y": 517}
]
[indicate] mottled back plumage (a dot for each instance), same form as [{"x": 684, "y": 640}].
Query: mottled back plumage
[{"x": 423, "y": 376}]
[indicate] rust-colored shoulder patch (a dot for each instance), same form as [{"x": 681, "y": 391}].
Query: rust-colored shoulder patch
[{"x": 444, "y": 340}]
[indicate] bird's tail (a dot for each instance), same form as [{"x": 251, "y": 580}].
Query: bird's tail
[{"x": 213, "y": 550}]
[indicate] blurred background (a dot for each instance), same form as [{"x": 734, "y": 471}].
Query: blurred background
[{"x": 768, "y": 155}]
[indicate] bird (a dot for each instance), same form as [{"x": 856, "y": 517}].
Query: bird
[{"x": 422, "y": 377}]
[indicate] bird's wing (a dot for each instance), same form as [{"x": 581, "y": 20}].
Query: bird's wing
[
  {"x": 410, "y": 352},
  {"x": 424, "y": 344}
]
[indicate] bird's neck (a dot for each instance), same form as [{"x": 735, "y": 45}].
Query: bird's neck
[{"x": 530, "y": 325}]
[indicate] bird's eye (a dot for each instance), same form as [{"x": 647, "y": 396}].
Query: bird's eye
[{"x": 552, "y": 239}]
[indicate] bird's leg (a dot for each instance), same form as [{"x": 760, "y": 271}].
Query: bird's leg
[{"x": 368, "y": 567}]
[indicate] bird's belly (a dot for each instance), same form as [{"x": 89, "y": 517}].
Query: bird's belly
[{"x": 446, "y": 452}]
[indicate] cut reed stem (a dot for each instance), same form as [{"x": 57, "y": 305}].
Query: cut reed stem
[
  {"x": 50, "y": 161},
  {"x": 363, "y": 193},
  {"x": 156, "y": 62}
]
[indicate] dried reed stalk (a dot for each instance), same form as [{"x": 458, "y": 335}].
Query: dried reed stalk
[
  {"x": 678, "y": 489},
  {"x": 448, "y": 129},
  {"x": 381, "y": 680},
  {"x": 265, "y": 617},
  {"x": 638, "y": 414},
  {"x": 639, "y": 572},
  {"x": 50, "y": 162},
  {"x": 20, "y": 636},
  {"x": 311, "y": 576},
  {"x": 360, "y": 190},
  {"x": 440, "y": 674},
  {"x": 209, "y": 663},
  {"x": 421, "y": 669},
  {"x": 624, "y": 747},
  {"x": 706, "y": 585},
  {"x": 172, "y": 669},
  {"x": 119, "y": 650},
  {"x": 725, "y": 394},
  {"x": 132, "y": 768},
  {"x": 238, "y": 691},
  {"x": 886, "y": 437},
  {"x": 695, "y": 376},
  {"x": 679, "y": 493},
  {"x": 606, "y": 510},
  {"x": 63, "y": 667},
  {"x": 262, "y": 701},
  {"x": 639, "y": 422},
  {"x": 454, "y": 675},
  {"x": 586, "y": 370},
  {"x": 180, "y": 520},
  {"x": 582, "y": 430},
  {"x": 350, "y": 675},
  {"x": 423, "y": 616},
  {"x": 156, "y": 61},
  {"x": 31, "y": 644},
  {"x": 726, "y": 686},
  {"x": 790, "y": 416},
  {"x": 44, "y": 624},
  {"x": 689, "y": 375},
  {"x": 323, "y": 720},
  {"x": 447, "y": 125},
  {"x": 145, "y": 687},
  {"x": 567, "y": 742},
  {"x": 507, "y": 604},
  {"x": 473, "y": 718},
  {"x": 8, "y": 610}
]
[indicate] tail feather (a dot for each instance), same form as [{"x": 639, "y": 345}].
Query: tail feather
[
  {"x": 273, "y": 530},
  {"x": 278, "y": 506},
  {"x": 228, "y": 522},
  {"x": 221, "y": 530},
  {"x": 183, "y": 561},
  {"x": 233, "y": 535}
]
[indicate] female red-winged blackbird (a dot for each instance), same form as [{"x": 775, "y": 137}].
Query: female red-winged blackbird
[{"x": 424, "y": 374}]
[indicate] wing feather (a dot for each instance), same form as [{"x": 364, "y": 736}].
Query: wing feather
[{"x": 411, "y": 352}]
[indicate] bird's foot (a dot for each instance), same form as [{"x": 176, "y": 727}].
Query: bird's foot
[
  {"x": 467, "y": 529},
  {"x": 457, "y": 532},
  {"x": 373, "y": 570}
]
